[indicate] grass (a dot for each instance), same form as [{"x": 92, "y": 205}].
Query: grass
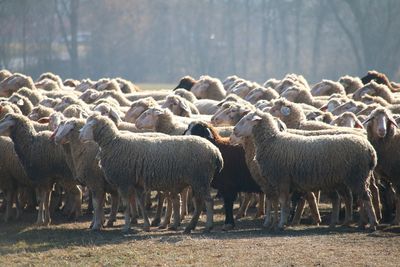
[{"x": 71, "y": 243}]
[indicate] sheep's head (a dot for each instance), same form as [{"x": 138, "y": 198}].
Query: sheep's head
[
  {"x": 254, "y": 95},
  {"x": 47, "y": 85},
  {"x": 291, "y": 93},
  {"x": 7, "y": 123},
  {"x": 50, "y": 102},
  {"x": 349, "y": 106},
  {"x": 35, "y": 114},
  {"x": 90, "y": 95},
  {"x": 200, "y": 89},
  {"x": 201, "y": 129},
  {"x": 84, "y": 85},
  {"x": 148, "y": 119},
  {"x": 245, "y": 126},
  {"x": 381, "y": 124},
  {"x": 242, "y": 89},
  {"x": 177, "y": 105},
  {"x": 347, "y": 119},
  {"x": 62, "y": 134},
  {"x": 271, "y": 83},
  {"x": 332, "y": 104},
  {"x": 186, "y": 82},
  {"x": 17, "y": 99},
  {"x": 108, "y": 111},
  {"x": 138, "y": 107},
  {"x": 15, "y": 82},
  {"x": 369, "y": 89},
  {"x": 230, "y": 115},
  {"x": 185, "y": 94},
  {"x": 86, "y": 132},
  {"x": 65, "y": 102},
  {"x": 281, "y": 108}
]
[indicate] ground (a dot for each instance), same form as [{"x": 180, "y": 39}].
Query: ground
[{"x": 72, "y": 243}]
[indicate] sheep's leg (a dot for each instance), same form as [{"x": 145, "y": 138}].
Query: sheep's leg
[
  {"x": 176, "y": 206},
  {"x": 184, "y": 198},
  {"x": 369, "y": 209},
  {"x": 197, "y": 210},
  {"x": 90, "y": 203},
  {"x": 209, "y": 203},
  {"x": 275, "y": 219},
  {"x": 228, "y": 206},
  {"x": 261, "y": 205},
  {"x": 140, "y": 196},
  {"x": 335, "y": 208},
  {"x": 345, "y": 192},
  {"x": 114, "y": 209},
  {"x": 125, "y": 196},
  {"x": 157, "y": 218},
  {"x": 284, "y": 202},
  {"x": 9, "y": 204},
  {"x": 312, "y": 202},
  {"x": 98, "y": 208},
  {"x": 267, "y": 219},
  {"x": 148, "y": 200},
  {"x": 168, "y": 212},
  {"x": 243, "y": 206},
  {"x": 396, "y": 220},
  {"x": 40, "y": 198},
  {"x": 46, "y": 207},
  {"x": 375, "y": 197},
  {"x": 133, "y": 208},
  {"x": 299, "y": 211}
]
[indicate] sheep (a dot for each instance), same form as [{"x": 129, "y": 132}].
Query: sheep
[
  {"x": 48, "y": 85},
  {"x": 208, "y": 88},
  {"x": 51, "y": 76},
  {"x": 380, "y": 78},
  {"x": 383, "y": 135},
  {"x": 325, "y": 117},
  {"x": 229, "y": 81},
  {"x": 180, "y": 106},
  {"x": 234, "y": 98},
  {"x": 375, "y": 89},
  {"x": 91, "y": 95},
  {"x": 84, "y": 85},
  {"x": 43, "y": 162},
  {"x": 259, "y": 93},
  {"x": 23, "y": 103},
  {"x": 4, "y": 74},
  {"x": 350, "y": 84},
  {"x": 272, "y": 82},
  {"x": 70, "y": 100},
  {"x": 235, "y": 176},
  {"x": 301, "y": 95},
  {"x": 40, "y": 111},
  {"x": 107, "y": 85},
  {"x": 327, "y": 88},
  {"x": 126, "y": 86},
  {"x": 136, "y": 163},
  {"x": 291, "y": 80},
  {"x": 12, "y": 176},
  {"x": 333, "y": 103},
  {"x": 34, "y": 95},
  {"x": 185, "y": 94},
  {"x": 160, "y": 120},
  {"x": 71, "y": 83},
  {"x": 186, "y": 82},
  {"x": 75, "y": 111},
  {"x": 347, "y": 119},
  {"x": 138, "y": 107},
  {"x": 86, "y": 169},
  {"x": 15, "y": 82},
  {"x": 243, "y": 89},
  {"x": 318, "y": 170},
  {"x": 232, "y": 111}
]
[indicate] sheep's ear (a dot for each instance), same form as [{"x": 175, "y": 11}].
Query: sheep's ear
[
  {"x": 256, "y": 118},
  {"x": 358, "y": 124},
  {"x": 44, "y": 120},
  {"x": 393, "y": 121},
  {"x": 115, "y": 115},
  {"x": 184, "y": 106},
  {"x": 20, "y": 102},
  {"x": 367, "y": 120},
  {"x": 94, "y": 95},
  {"x": 209, "y": 134},
  {"x": 285, "y": 111},
  {"x": 324, "y": 108},
  {"x": 281, "y": 125},
  {"x": 13, "y": 81}
]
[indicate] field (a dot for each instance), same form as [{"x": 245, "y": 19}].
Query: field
[{"x": 71, "y": 243}]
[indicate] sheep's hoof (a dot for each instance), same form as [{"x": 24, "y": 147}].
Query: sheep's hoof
[
  {"x": 155, "y": 222},
  {"x": 227, "y": 227}
]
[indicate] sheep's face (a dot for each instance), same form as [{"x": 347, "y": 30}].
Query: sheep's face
[
  {"x": 90, "y": 95},
  {"x": 200, "y": 89},
  {"x": 108, "y": 111},
  {"x": 364, "y": 91},
  {"x": 349, "y": 106},
  {"x": 86, "y": 132},
  {"x": 62, "y": 134},
  {"x": 254, "y": 95},
  {"x": 49, "y": 102},
  {"x": 55, "y": 119},
  {"x": 291, "y": 93},
  {"x": 245, "y": 126},
  {"x": 223, "y": 117},
  {"x": 331, "y": 105},
  {"x": 9, "y": 85},
  {"x": 84, "y": 85},
  {"x": 381, "y": 124},
  {"x": 177, "y": 106},
  {"x": 199, "y": 129},
  {"x": 35, "y": 114},
  {"x": 134, "y": 112},
  {"x": 17, "y": 100},
  {"x": 6, "y": 125},
  {"x": 65, "y": 102},
  {"x": 347, "y": 119},
  {"x": 280, "y": 110},
  {"x": 320, "y": 89},
  {"x": 242, "y": 90},
  {"x": 149, "y": 118}
]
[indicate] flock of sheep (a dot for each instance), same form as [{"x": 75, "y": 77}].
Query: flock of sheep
[{"x": 282, "y": 143}]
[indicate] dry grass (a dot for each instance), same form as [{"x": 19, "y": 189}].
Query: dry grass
[{"x": 73, "y": 244}]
